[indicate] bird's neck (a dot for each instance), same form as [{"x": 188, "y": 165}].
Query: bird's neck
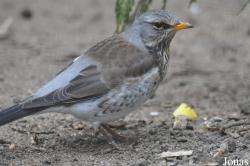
[
  {"x": 161, "y": 56},
  {"x": 132, "y": 35},
  {"x": 159, "y": 51}
]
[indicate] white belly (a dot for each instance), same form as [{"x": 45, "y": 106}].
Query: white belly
[{"x": 120, "y": 101}]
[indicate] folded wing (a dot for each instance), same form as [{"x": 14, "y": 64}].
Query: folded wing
[{"x": 103, "y": 67}]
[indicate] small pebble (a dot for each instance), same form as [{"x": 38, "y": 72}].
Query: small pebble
[
  {"x": 180, "y": 123},
  {"x": 46, "y": 162},
  {"x": 1, "y": 147},
  {"x": 245, "y": 108},
  {"x": 34, "y": 140},
  {"x": 189, "y": 127},
  {"x": 142, "y": 162},
  {"x": 12, "y": 147},
  {"x": 162, "y": 163},
  {"x": 154, "y": 113},
  {"x": 248, "y": 32},
  {"x": 227, "y": 146},
  {"x": 152, "y": 131},
  {"x": 231, "y": 145},
  {"x": 213, "y": 123},
  {"x": 26, "y": 13},
  {"x": 78, "y": 126},
  {"x": 234, "y": 116},
  {"x": 181, "y": 139},
  {"x": 212, "y": 164}
]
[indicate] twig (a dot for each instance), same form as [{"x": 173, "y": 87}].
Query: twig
[
  {"x": 4, "y": 142},
  {"x": 37, "y": 148},
  {"x": 243, "y": 129},
  {"x": 234, "y": 125},
  {"x": 122, "y": 10},
  {"x": 244, "y": 6},
  {"x": 191, "y": 2},
  {"x": 140, "y": 8},
  {"x": 164, "y": 4},
  {"x": 5, "y": 28},
  {"x": 32, "y": 132}
]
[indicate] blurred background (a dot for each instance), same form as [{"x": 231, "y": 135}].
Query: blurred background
[{"x": 209, "y": 70}]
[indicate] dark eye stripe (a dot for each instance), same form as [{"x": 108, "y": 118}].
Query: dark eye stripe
[{"x": 161, "y": 25}]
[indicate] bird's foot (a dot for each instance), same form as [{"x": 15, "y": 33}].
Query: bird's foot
[
  {"x": 113, "y": 137},
  {"x": 116, "y": 136}
]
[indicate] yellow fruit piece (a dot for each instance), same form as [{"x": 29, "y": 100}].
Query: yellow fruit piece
[{"x": 186, "y": 111}]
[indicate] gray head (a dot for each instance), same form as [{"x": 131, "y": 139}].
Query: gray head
[{"x": 154, "y": 30}]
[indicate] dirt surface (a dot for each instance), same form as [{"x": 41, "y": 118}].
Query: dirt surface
[{"x": 209, "y": 70}]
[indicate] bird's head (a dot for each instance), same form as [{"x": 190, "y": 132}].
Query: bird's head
[{"x": 155, "y": 29}]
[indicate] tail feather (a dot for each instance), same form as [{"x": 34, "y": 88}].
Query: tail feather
[{"x": 13, "y": 113}]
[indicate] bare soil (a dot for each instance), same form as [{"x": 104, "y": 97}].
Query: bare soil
[{"x": 209, "y": 70}]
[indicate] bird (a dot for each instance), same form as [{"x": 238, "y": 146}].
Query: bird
[{"x": 111, "y": 79}]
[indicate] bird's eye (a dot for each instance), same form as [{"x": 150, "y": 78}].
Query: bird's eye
[{"x": 161, "y": 25}]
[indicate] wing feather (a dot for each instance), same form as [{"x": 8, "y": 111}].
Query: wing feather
[{"x": 115, "y": 60}]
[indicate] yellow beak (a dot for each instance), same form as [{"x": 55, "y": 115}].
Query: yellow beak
[{"x": 182, "y": 25}]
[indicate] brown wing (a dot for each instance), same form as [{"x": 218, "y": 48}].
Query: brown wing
[
  {"x": 115, "y": 60},
  {"x": 119, "y": 59}
]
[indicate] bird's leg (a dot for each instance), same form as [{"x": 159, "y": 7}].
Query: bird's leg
[
  {"x": 108, "y": 137},
  {"x": 115, "y": 135}
]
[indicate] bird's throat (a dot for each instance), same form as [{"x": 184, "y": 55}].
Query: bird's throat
[{"x": 163, "y": 62}]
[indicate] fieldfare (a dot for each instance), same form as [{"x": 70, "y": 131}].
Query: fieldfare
[{"x": 112, "y": 78}]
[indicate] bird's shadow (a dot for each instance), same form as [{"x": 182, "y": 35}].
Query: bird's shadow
[
  {"x": 94, "y": 144},
  {"x": 71, "y": 141}
]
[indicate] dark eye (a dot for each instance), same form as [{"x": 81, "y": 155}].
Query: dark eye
[{"x": 161, "y": 25}]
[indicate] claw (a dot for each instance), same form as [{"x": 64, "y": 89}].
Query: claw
[{"x": 112, "y": 136}]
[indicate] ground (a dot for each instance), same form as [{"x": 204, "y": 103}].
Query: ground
[{"x": 209, "y": 70}]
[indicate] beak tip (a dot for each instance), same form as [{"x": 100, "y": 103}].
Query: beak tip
[
  {"x": 190, "y": 25},
  {"x": 183, "y": 25}
]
